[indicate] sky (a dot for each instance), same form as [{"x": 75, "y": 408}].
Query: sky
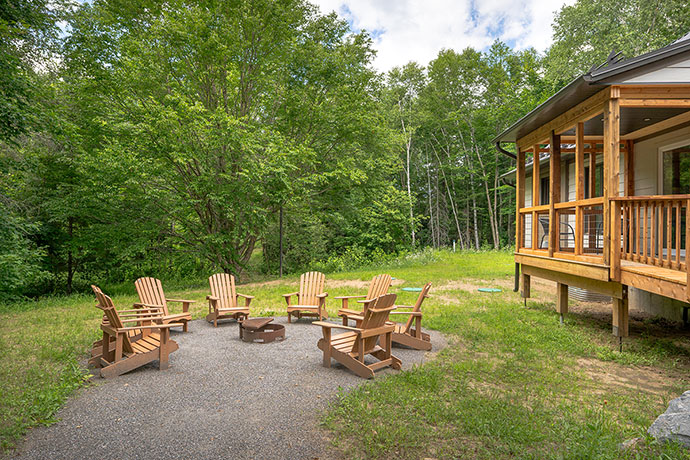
[{"x": 416, "y": 30}]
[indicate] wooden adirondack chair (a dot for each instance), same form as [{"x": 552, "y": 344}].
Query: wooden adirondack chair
[
  {"x": 404, "y": 333},
  {"x": 350, "y": 348},
  {"x": 222, "y": 303},
  {"x": 311, "y": 300},
  {"x": 151, "y": 295},
  {"x": 119, "y": 352},
  {"x": 379, "y": 286},
  {"x": 134, "y": 334}
]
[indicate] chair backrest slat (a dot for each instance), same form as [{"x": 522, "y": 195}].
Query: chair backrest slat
[
  {"x": 150, "y": 292},
  {"x": 375, "y": 316},
  {"x": 310, "y": 285},
  {"x": 223, "y": 288},
  {"x": 379, "y": 286},
  {"x": 105, "y": 303},
  {"x": 418, "y": 305}
]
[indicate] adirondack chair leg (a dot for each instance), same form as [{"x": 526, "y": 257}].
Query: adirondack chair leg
[
  {"x": 418, "y": 327},
  {"x": 353, "y": 364},
  {"x": 289, "y": 317},
  {"x": 118, "y": 347},
  {"x": 327, "y": 347},
  {"x": 164, "y": 349}
]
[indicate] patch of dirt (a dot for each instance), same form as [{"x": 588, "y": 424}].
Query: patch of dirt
[{"x": 647, "y": 379}]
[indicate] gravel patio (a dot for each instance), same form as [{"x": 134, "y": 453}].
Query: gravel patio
[{"x": 221, "y": 398}]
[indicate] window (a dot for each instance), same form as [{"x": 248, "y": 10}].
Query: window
[{"x": 676, "y": 171}]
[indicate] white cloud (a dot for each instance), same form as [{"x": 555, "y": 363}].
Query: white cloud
[{"x": 416, "y": 30}]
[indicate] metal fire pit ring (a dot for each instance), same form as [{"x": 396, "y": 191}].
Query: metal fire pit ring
[{"x": 261, "y": 330}]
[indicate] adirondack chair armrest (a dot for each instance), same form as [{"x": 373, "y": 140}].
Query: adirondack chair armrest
[
  {"x": 149, "y": 326},
  {"x": 141, "y": 305},
  {"x": 347, "y": 312},
  {"x": 287, "y": 297},
  {"x": 366, "y": 301},
  {"x": 141, "y": 310},
  {"x": 409, "y": 313},
  {"x": 247, "y": 298},
  {"x": 323, "y": 295},
  {"x": 336, "y": 326},
  {"x": 185, "y": 304},
  {"x": 211, "y": 298}
]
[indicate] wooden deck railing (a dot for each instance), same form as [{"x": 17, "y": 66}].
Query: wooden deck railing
[
  {"x": 654, "y": 229},
  {"x": 578, "y": 230}
]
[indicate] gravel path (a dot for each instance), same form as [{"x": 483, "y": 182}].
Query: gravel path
[{"x": 221, "y": 398}]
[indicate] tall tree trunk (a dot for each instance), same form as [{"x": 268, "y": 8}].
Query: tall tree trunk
[
  {"x": 408, "y": 148},
  {"x": 70, "y": 259},
  {"x": 450, "y": 197}
]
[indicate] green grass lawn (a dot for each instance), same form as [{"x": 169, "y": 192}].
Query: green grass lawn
[{"x": 512, "y": 384}]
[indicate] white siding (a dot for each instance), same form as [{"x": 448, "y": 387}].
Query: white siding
[{"x": 673, "y": 73}]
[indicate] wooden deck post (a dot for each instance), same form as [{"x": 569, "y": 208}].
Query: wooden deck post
[
  {"x": 525, "y": 292},
  {"x": 555, "y": 190},
  {"x": 579, "y": 185},
  {"x": 687, "y": 249},
  {"x": 620, "y": 316},
  {"x": 611, "y": 179},
  {"x": 536, "y": 195},
  {"x": 520, "y": 201},
  {"x": 562, "y": 300},
  {"x": 629, "y": 168}
]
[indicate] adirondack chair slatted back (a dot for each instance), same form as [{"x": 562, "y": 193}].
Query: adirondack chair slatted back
[
  {"x": 418, "y": 305},
  {"x": 150, "y": 292},
  {"x": 375, "y": 316},
  {"x": 105, "y": 303},
  {"x": 311, "y": 284},
  {"x": 223, "y": 288},
  {"x": 379, "y": 286}
]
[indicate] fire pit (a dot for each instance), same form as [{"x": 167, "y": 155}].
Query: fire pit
[{"x": 261, "y": 330}]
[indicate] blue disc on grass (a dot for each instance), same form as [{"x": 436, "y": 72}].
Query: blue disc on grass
[
  {"x": 488, "y": 290},
  {"x": 412, "y": 289}
]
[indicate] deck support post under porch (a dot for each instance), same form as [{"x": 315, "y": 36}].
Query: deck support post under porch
[
  {"x": 525, "y": 292},
  {"x": 620, "y": 317},
  {"x": 562, "y": 300}
]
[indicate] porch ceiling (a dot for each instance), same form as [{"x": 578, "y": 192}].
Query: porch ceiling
[{"x": 632, "y": 119}]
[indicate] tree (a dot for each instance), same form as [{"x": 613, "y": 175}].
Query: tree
[{"x": 586, "y": 32}]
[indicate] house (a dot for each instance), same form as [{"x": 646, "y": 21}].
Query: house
[{"x": 603, "y": 184}]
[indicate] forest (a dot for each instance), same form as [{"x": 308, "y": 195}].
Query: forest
[{"x": 179, "y": 138}]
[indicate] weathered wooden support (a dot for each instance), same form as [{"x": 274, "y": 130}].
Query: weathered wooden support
[
  {"x": 611, "y": 175},
  {"x": 562, "y": 300},
  {"x": 554, "y": 189},
  {"x": 629, "y": 168},
  {"x": 620, "y": 316},
  {"x": 525, "y": 292},
  {"x": 579, "y": 186}
]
